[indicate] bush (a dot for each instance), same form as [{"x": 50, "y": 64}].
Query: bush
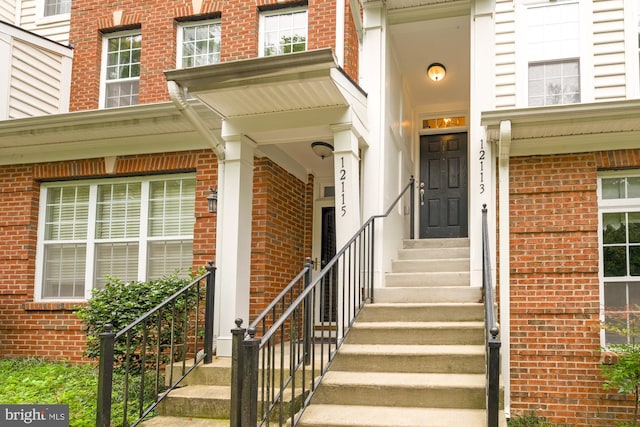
[{"x": 120, "y": 304}]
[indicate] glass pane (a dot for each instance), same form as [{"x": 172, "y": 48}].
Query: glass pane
[
  {"x": 117, "y": 260},
  {"x": 169, "y": 257},
  {"x": 634, "y": 227},
  {"x": 633, "y": 187},
  {"x": 614, "y": 228},
  {"x": 64, "y": 269},
  {"x": 634, "y": 260},
  {"x": 67, "y": 213},
  {"x": 613, "y": 188},
  {"x": 634, "y": 295},
  {"x": 615, "y": 261},
  {"x": 615, "y": 296}
]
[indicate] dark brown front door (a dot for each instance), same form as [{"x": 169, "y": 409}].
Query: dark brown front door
[{"x": 443, "y": 186}]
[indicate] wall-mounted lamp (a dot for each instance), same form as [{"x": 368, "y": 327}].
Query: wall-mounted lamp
[
  {"x": 322, "y": 149},
  {"x": 436, "y": 71},
  {"x": 212, "y": 201}
]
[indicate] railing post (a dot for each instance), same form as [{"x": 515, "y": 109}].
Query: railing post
[
  {"x": 250, "y": 356},
  {"x": 105, "y": 377},
  {"x": 412, "y": 207},
  {"x": 237, "y": 368},
  {"x": 308, "y": 314},
  {"x": 493, "y": 374},
  {"x": 208, "y": 313}
]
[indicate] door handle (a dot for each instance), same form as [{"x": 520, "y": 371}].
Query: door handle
[{"x": 422, "y": 194}]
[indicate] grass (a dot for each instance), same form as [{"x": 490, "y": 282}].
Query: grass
[{"x": 34, "y": 381}]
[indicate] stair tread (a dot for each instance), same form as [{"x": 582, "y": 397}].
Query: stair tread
[
  {"x": 408, "y": 349},
  {"x": 417, "y": 325},
  {"x": 413, "y": 379},
  {"x": 164, "y": 421},
  {"x": 423, "y": 304},
  {"x": 374, "y": 416},
  {"x": 202, "y": 392}
]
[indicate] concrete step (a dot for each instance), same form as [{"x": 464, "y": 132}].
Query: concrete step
[
  {"x": 436, "y": 243},
  {"x": 197, "y": 401},
  {"x": 436, "y": 294},
  {"x": 402, "y": 390},
  {"x": 385, "y": 416},
  {"x": 166, "y": 421},
  {"x": 433, "y": 253},
  {"x": 421, "y": 312},
  {"x": 442, "y": 333},
  {"x": 428, "y": 279},
  {"x": 445, "y": 265},
  {"x": 459, "y": 359},
  {"x": 218, "y": 372}
]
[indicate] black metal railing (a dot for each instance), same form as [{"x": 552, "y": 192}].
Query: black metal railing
[
  {"x": 492, "y": 342},
  {"x": 279, "y": 360},
  {"x": 151, "y": 356}
]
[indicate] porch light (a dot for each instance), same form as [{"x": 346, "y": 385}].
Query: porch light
[
  {"x": 322, "y": 149},
  {"x": 436, "y": 71},
  {"x": 212, "y": 201}
]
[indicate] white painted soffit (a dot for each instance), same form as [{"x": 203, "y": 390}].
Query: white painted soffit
[
  {"x": 140, "y": 129},
  {"x": 406, "y": 11},
  {"x": 562, "y": 129},
  {"x": 303, "y": 81}
]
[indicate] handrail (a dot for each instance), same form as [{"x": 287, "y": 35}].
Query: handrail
[
  {"x": 171, "y": 334},
  {"x": 280, "y": 347},
  {"x": 492, "y": 330}
]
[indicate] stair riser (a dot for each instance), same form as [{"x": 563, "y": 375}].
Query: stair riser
[
  {"x": 446, "y": 363},
  {"x": 431, "y": 254},
  {"x": 222, "y": 376},
  {"x": 194, "y": 407},
  {"x": 435, "y": 313},
  {"x": 431, "y": 266},
  {"x": 427, "y": 279},
  {"x": 436, "y": 243},
  {"x": 422, "y": 397},
  {"x": 442, "y": 336},
  {"x": 462, "y": 294}
]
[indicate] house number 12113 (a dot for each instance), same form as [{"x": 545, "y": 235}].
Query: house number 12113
[{"x": 343, "y": 177}]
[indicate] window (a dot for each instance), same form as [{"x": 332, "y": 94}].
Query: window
[
  {"x": 133, "y": 229},
  {"x": 121, "y": 69},
  {"x": 553, "y": 50},
  {"x": 620, "y": 250},
  {"x": 283, "y": 31},
  {"x": 56, "y": 7},
  {"x": 198, "y": 44}
]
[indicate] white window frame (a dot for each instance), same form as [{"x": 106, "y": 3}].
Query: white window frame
[
  {"x": 612, "y": 206},
  {"x": 284, "y": 11},
  {"x": 43, "y": 19},
  {"x": 180, "y": 38},
  {"x": 103, "y": 64},
  {"x": 522, "y": 59},
  {"x": 142, "y": 240}
]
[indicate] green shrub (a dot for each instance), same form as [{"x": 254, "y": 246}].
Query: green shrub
[
  {"x": 120, "y": 304},
  {"x": 530, "y": 419}
]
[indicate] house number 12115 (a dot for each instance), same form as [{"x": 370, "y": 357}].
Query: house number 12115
[{"x": 343, "y": 177}]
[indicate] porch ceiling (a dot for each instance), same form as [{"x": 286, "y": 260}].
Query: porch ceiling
[
  {"x": 568, "y": 128},
  {"x": 149, "y": 128}
]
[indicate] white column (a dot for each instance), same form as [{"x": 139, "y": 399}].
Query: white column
[{"x": 233, "y": 242}]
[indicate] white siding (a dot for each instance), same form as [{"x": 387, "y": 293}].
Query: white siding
[
  {"x": 31, "y": 19},
  {"x": 505, "y": 54},
  {"x": 608, "y": 50},
  {"x": 8, "y": 11}
]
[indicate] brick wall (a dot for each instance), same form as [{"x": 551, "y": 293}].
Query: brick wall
[
  {"x": 555, "y": 293},
  {"x": 156, "y": 19}
]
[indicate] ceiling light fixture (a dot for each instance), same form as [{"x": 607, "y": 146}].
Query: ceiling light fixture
[
  {"x": 436, "y": 71},
  {"x": 322, "y": 149}
]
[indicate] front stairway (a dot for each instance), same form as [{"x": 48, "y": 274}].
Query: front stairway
[{"x": 414, "y": 357}]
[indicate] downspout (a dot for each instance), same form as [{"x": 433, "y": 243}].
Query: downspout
[
  {"x": 177, "y": 94},
  {"x": 504, "y": 147}
]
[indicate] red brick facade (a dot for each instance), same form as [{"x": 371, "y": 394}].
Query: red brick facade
[
  {"x": 157, "y": 23},
  {"x": 555, "y": 290},
  {"x": 281, "y": 238}
]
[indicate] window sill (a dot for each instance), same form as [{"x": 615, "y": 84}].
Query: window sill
[{"x": 52, "y": 306}]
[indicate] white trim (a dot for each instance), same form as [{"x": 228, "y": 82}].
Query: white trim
[
  {"x": 340, "y": 23},
  {"x": 41, "y": 19}
]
